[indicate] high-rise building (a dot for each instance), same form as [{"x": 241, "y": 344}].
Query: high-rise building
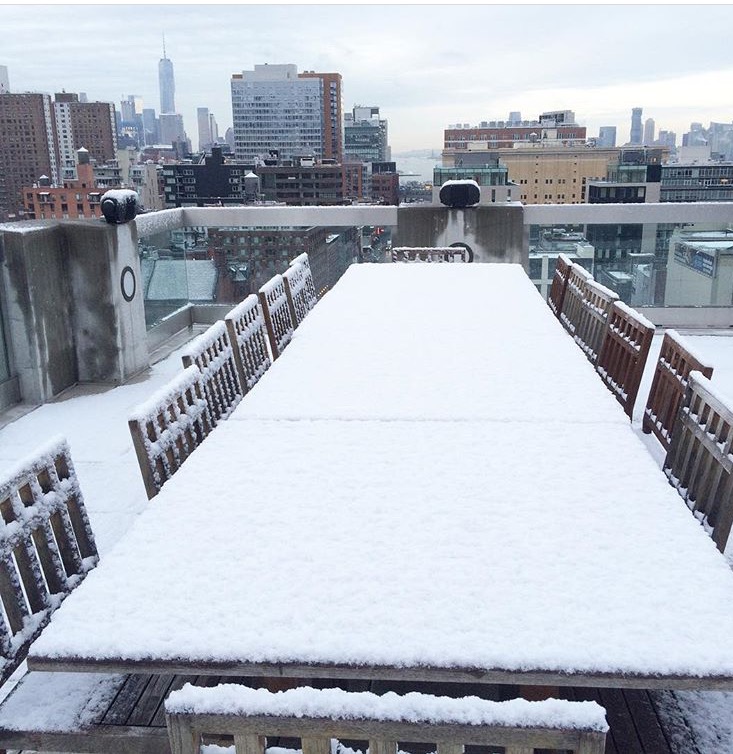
[
  {"x": 203, "y": 117},
  {"x": 167, "y": 84},
  {"x": 27, "y": 148},
  {"x": 668, "y": 139},
  {"x": 4, "y": 80},
  {"x": 274, "y": 108},
  {"x": 606, "y": 137},
  {"x": 635, "y": 136},
  {"x": 515, "y": 117},
  {"x": 366, "y": 135},
  {"x": 171, "y": 128},
  {"x": 332, "y": 113},
  {"x": 214, "y": 128},
  {"x": 649, "y": 130},
  {"x": 150, "y": 126}
]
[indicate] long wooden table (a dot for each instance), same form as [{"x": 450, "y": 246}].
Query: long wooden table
[{"x": 430, "y": 484}]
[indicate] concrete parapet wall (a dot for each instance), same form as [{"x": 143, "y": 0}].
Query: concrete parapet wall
[
  {"x": 67, "y": 286},
  {"x": 492, "y": 233}
]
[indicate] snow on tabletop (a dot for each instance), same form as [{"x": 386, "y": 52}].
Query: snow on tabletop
[
  {"x": 443, "y": 533},
  {"x": 57, "y": 702},
  {"x": 337, "y": 704},
  {"x": 459, "y": 342},
  {"x": 166, "y": 395}
]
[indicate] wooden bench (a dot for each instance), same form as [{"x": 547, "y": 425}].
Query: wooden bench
[
  {"x": 572, "y": 303},
  {"x": 276, "y": 311},
  {"x": 624, "y": 353},
  {"x": 430, "y": 254},
  {"x": 299, "y": 289},
  {"x": 169, "y": 426},
  {"x": 195, "y": 716},
  {"x": 699, "y": 463},
  {"x": 248, "y": 337},
  {"x": 46, "y": 548},
  {"x": 668, "y": 386},
  {"x": 213, "y": 354},
  {"x": 593, "y": 319},
  {"x": 559, "y": 284}
]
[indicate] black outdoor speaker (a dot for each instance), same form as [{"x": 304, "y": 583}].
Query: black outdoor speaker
[
  {"x": 119, "y": 206},
  {"x": 460, "y": 194}
]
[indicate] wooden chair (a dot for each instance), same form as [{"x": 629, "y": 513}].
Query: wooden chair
[
  {"x": 46, "y": 548},
  {"x": 699, "y": 463},
  {"x": 213, "y": 354},
  {"x": 572, "y": 303},
  {"x": 559, "y": 284},
  {"x": 624, "y": 353},
  {"x": 246, "y": 327},
  {"x": 593, "y": 319},
  {"x": 197, "y": 715},
  {"x": 276, "y": 311},
  {"x": 668, "y": 386},
  {"x": 430, "y": 254},
  {"x": 168, "y": 427},
  {"x": 299, "y": 289}
]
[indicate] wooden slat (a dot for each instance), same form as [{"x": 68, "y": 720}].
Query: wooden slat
[
  {"x": 593, "y": 319},
  {"x": 622, "y": 729},
  {"x": 127, "y": 697},
  {"x": 668, "y": 386},
  {"x": 247, "y": 333},
  {"x": 299, "y": 289},
  {"x": 645, "y": 719},
  {"x": 624, "y": 353},
  {"x": 147, "y": 704},
  {"x": 275, "y": 309},
  {"x": 572, "y": 303},
  {"x": 559, "y": 284},
  {"x": 699, "y": 463}
]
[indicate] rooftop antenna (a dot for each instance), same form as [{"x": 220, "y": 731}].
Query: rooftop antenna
[{"x": 164, "y": 44}]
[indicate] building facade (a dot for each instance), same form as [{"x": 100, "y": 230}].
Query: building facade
[
  {"x": 331, "y": 113},
  {"x": 366, "y": 135},
  {"x": 28, "y": 148},
  {"x": 606, "y": 137},
  {"x": 4, "y": 80}
]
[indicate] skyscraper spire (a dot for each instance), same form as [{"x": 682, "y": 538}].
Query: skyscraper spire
[{"x": 164, "y": 45}]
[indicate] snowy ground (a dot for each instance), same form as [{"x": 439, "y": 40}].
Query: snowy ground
[{"x": 94, "y": 420}]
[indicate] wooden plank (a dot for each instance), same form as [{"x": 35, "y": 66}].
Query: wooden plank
[
  {"x": 179, "y": 681},
  {"x": 622, "y": 728},
  {"x": 147, "y": 705},
  {"x": 673, "y": 722},
  {"x": 126, "y": 699},
  {"x": 107, "y": 739},
  {"x": 648, "y": 727},
  {"x": 593, "y": 695}
]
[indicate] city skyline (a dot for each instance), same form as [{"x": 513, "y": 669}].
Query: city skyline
[{"x": 494, "y": 60}]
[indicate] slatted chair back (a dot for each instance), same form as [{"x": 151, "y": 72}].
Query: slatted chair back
[
  {"x": 169, "y": 426},
  {"x": 430, "y": 254},
  {"x": 559, "y": 284},
  {"x": 276, "y": 311},
  {"x": 247, "y": 334},
  {"x": 213, "y": 354},
  {"x": 310, "y": 293},
  {"x": 300, "y": 291},
  {"x": 593, "y": 319},
  {"x": 197, "y": 715},
  {"x": 572, "y": 303},
  {"x": 46, "y": 547},
  {"x": 624, "y": 353},
  {"x": 668, "y": 386},
  {"x": 699, "y": 463}
]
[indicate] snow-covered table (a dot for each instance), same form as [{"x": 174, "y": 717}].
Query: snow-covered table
[{"x": 483, "y": 543}]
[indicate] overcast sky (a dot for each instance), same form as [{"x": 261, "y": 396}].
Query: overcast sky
[{"x": 425, "y": 66}]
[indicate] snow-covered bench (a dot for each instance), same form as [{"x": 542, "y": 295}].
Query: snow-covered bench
[
  {"x": 624, "y": 353},
  {"x": 699, "y": 463},
  {"x": 667, "y": 392},
  {"x": 46, "y": 546},
  {"x": 169, "y": 426},
  {"x": 213, "y": 354},
  {"x": 197, "y": 715},
  {"x": 275, "y": 308},
  {"x": 246, "y": 327},
  {"x": 299, "y": 288}
]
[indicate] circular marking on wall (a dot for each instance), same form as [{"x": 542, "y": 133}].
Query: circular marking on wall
[
  {"x": 466, "y": 247},
  {"x": 128, "y": 284}
]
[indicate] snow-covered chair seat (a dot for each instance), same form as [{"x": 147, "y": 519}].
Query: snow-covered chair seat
[
  {"x": 213, "y": 354},
  {"x": 430, "y": 254},
  {"x": 196, "y": 715},
  {"x": 669, "y": 383},
  {"x": 559, "y": 284},
  {"x": 299, "y": 288},
  {"x": 276, "y": 311},
  {"x": 246, "y": 327},
  {"x": 593, "y": 319},
  {"x": 624, "y": 352},
  {"x": 572, "y": 303},
  {"x": 698, "y": 463},
  {"x": 169, "y": 426},
  {"x": 46, "y": 546}
]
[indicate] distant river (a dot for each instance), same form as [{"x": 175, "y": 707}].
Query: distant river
[{"x": 423, "y": 166}]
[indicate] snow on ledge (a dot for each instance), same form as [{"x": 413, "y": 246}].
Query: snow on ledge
[{"x": 336, "y": 704}]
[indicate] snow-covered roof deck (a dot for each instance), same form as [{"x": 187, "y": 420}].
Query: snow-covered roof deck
[{"x": 456, "y": 527}]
